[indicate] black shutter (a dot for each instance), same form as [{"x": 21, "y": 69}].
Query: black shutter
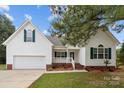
[
  {"x": 55, "y": 54},
  {"x": 25, "y": 35},
  {"x": 110, "y": 53},
  {"x": 33, "y": 35},
  {"x": 91, "y": 53},
  {"x": 65, "y": 54}
]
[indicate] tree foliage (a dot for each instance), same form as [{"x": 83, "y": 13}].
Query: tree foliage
[
  {"x": 76, "y": 24},
  {"x": 6, "y": 29},
  {"x": 121, "y": 54}
]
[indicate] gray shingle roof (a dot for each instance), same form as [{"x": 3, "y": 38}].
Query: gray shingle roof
[{"x": 55, "y": 40}]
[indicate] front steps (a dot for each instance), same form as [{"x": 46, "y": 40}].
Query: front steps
[{"x": 78, "y": 66}]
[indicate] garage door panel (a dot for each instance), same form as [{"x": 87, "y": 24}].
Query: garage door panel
[{"x": 29, "y": 62}]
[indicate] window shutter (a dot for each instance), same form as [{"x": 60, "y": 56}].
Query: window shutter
[
  {"x": 33, "y": 35},
  {"x": 110, "y": 53},
  {"x": 55, "y": 54},
  {"x": 25, "y": 35},
  {"x": 65, "y": 54},
  {"x": 91, "y": 53}
]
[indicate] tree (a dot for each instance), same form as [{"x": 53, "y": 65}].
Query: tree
[
  {"x": 6, "y": 29},
  {"x": 107, "y": 62},
  {"x": 121, "y": 54},
  {"x": 76, "y": 24},
  {"x": 118, "y": 62}
]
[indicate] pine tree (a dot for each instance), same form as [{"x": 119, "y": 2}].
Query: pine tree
[
  {"x": 76, "y": 24},
  {"x": 121, "y": 55}
]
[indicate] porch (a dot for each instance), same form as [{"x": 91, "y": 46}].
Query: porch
[
  {"x": 65, "y": 55},
  {"x": 64, "y": 58}
]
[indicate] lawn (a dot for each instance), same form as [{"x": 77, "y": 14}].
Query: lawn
[
  {"x": 2, "y": 67},
  {"x": 80, "y": 80}
]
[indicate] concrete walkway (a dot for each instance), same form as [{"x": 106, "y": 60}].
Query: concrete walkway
[
  {"x": 18, "y": 78},
  {"x": 67, "y": 71}
]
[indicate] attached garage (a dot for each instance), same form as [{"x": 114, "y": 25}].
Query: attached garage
[{"x": 29, "y": 62}]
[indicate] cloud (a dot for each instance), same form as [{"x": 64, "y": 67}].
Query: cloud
[
  {"x": 9, "y": 16},
  {"x": 52, "y": 17},
  {"x": 45, "y": 32},
  {"x": 27, "y": 16},
  {"x": 4, "y": 7}
]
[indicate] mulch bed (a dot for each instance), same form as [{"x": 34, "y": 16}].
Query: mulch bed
[
  {"x": 100, "y": 69},
  {"x": 59, "y": 67},
  {"x": 64, "y": 67}
]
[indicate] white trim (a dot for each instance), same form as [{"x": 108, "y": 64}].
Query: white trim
[
  {"x": 29, "y": 55},
  {"x": 113, "y": 37},
  {"x": 24, "y": 23},
  {"x": 63, "y": 47},
  {"x": 37, "y": 29},
  {"x": 18, "y": 30}
]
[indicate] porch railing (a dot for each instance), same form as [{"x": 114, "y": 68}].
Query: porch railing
[
  {"x": 64, "y": 60},
  {"x": 61, "y": 60}
]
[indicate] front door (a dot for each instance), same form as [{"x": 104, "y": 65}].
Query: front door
[{"x": 72, "y": 55}]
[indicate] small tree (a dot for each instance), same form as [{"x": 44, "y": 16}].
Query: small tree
[{"x": 106, "y": 62}]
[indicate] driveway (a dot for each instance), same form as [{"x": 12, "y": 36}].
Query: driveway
[{"x": 18, "y": 78}]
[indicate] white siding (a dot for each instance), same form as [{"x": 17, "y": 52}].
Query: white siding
[
  {"x": 82, "y": 57},
  {"x": 17, "y": 46},
  {"x": 100, "y": 38}
]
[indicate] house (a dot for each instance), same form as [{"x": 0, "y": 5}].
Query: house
[{"x": 29, "y": 48}]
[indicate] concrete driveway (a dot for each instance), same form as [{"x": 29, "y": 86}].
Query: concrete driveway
[{"x": 18, "y": 78}]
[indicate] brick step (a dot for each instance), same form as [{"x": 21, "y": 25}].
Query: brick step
[
  {"x": 79, "y": 66},
  {"x": 64, "y": 65}
]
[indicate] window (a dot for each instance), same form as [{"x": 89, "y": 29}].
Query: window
[
  {"x": 100, "y": 52},
  {"x": 29, "y": 35},
  {"x": 106, "y": 53},
  {"x": 60, "y": 54},
  {"x": 95, "y": 53}
]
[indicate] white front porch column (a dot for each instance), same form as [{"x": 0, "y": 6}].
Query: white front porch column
[{"x": 67, "y": 56}]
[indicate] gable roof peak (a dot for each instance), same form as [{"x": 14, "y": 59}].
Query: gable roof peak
[{"x": 18, "y": 30}]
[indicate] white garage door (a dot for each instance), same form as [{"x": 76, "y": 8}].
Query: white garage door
[{"x": 29, "y": 62}]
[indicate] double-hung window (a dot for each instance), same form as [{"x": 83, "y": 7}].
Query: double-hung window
[
  {"x": 100, "y": 52},
  {"x": 29, "y": 35}
]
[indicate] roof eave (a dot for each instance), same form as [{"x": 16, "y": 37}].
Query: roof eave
[{"x": 114, "y": 38}]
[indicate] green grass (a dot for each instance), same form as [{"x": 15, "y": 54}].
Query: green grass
[
  {"x": 2, "y": 66},
  {"x": 79, "y": 80}
]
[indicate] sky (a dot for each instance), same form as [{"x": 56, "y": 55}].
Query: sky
[{"x": 40, "y": 16}]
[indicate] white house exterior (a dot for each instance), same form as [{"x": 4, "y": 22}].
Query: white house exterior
[{"x": 29, "y": 48}]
